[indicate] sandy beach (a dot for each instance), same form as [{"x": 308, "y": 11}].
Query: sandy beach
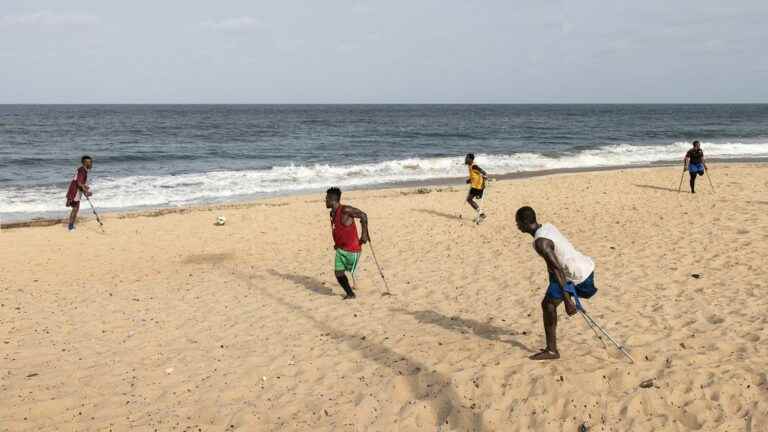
[{"x": 172, "y": 323}]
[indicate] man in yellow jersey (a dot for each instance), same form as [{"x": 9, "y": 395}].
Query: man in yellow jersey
[{"x": 476, "y": 181}]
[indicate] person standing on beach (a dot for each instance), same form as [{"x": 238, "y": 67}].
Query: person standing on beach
[
  {"x": 694, "y": 163},
  {"x": 77, "y": 187},
  {"x": 476, "y": 181},
  {"x": 569, "y": 270},
  {"x": 345, "y": 238}
]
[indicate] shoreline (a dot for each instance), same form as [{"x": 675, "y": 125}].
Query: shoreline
[{"x": 408, "y": 184}]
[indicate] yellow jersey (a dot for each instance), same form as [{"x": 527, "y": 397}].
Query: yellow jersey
[{"x": 476, "y": 180}]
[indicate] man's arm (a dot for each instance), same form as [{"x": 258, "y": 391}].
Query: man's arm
[
  {"x": 546, "y": 249},
  {"x": 685, "y": 160},
  {"x": 480, "y": 170},
  {"x": 81, "y": 184},
  {"x": 704, "y": 162},
  {"x": 358, "y": 214}
]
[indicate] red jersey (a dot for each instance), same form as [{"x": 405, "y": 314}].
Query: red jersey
[
  {"x": 81, "y": 176},
  {"x": 344, "y": 236}
]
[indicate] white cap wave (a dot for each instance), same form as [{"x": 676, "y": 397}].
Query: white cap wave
[{"x": 177, "y": 190}]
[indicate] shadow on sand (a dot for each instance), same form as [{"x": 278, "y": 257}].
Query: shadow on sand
[
  {"x": 438, "y": 213},
  {"x": 423, "y": 381},
  {"x": 661, "y": 188},
  {"x": 208, "y": 258},
  {"x": 464, "y": 325},
  {"x": 307, "y": 282}
]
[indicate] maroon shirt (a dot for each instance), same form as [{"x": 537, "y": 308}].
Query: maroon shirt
[{"x": 80, "y": 177}]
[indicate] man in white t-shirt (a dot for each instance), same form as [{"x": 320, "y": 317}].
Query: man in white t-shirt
[{"x": 570, "y": 273}]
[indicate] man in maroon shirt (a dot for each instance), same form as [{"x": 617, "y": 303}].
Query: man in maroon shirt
[
  {"x": 345, "y": 238},
  {"x": 77, "y": 187}
]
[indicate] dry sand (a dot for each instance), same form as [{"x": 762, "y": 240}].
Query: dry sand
[{"x": 171, "y": 323}]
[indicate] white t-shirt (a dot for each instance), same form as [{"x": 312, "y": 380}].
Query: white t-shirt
[{"x": 576, "y": 265}]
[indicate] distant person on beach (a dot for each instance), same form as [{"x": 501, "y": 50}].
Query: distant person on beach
[
  {"x": 569, "y": 270},
  {"x": 77, "y": 187},
  {"x": 476, "y": 181},
  {"x": 694, "y": 163},
  {"x": 345, "y": 238}
]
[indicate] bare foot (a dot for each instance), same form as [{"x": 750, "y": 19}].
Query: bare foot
[
  {"x": 349, "y": 297},
  {"x": 545, "y": 354}
]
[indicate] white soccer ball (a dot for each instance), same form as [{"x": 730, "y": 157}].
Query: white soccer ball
[{"x": 221, "y": 220}]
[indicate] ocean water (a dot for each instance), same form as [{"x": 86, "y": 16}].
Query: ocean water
[{"x": 151, "y": 156}]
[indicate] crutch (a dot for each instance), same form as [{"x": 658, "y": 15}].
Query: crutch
[
  {"x": 354, "y": 269},
  {"x": 595, "y": 331},
  {"x": 572, "y": 290},
  {"x": 381, "y": 273},
  {"x": 98, "y": 219},
  {"x": 710, "y": 179},
  {"x": 618, "y": 346},
  {"x": 680, "y": 187}
]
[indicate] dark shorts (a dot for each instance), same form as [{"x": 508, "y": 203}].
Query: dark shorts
[
  {"x": 696, "y": 168},
  {"x": 585, "y": 289},
  {"x": 475, "y": 193},
  {"x": 72, "y": 203}
]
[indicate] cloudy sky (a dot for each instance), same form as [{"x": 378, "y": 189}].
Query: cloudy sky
[{"x": 414, "y": 51}]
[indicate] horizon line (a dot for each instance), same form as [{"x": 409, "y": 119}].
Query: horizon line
[{"x": 376, "y": 103}]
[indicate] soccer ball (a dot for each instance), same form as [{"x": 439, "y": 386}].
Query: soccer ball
[{"x": 221, "y": 220}]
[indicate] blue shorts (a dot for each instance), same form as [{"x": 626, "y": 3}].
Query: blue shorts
[
  {"x": 696, "y": 168},
  {"x": 585, "y": 289}
]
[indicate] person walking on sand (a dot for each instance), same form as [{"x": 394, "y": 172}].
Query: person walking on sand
[
  {"x": 569, "y": 270},
  {"x": 345, "y": 238},
  {"x": 77, "y": 187},
  {"x": 476, "y": 181},
  {"x": 694, "y": 163}
]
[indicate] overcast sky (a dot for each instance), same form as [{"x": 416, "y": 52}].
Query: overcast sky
[{"x": 388, "y": 51}]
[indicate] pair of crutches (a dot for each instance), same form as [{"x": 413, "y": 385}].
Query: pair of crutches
[{"x": 682, "y": 176}]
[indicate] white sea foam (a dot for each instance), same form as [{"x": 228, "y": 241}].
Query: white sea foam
[{"x": 167, "y": 190}]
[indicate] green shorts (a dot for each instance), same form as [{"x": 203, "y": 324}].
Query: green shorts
[{"x": 346, "y": 261}]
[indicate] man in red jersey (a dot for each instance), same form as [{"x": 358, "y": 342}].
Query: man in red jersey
[
  {"x": 345, "y": 237},
  {"x": 77, "y": 187}
]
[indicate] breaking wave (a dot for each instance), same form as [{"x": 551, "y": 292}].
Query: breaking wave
[{"x": 116, "y": 193}]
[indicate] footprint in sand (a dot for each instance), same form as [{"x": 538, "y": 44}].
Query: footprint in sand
[
  {"x": 688, "y": 323},
  {"x": 714, "y": 319},
  {"x": 751, "y": 337}
]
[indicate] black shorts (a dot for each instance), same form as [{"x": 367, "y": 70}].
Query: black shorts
[{"x": 475, "y": 193}]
